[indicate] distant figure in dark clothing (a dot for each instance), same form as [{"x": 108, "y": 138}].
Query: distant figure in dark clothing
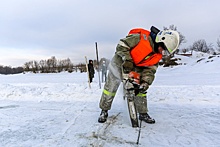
[
  {"x": 104, "y": 71},
  {"x": 91, "y": 70}
]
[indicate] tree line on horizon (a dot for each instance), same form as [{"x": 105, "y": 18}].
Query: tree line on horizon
[
  {"x": 9, "y": 70},
  {"x": 51, "y": 65}
]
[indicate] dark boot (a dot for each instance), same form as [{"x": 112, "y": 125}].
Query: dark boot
[
  {"x": 146, "y": 118},
  {"x": 103, "y": 116}
]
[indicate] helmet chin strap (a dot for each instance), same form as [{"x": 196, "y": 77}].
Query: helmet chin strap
[{"x": 157, "y": 45}]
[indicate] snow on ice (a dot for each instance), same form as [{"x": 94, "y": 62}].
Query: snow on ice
[{"x": 59, "y": 110}]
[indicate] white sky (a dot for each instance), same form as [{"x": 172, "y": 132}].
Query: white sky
[{"x": 39, "y": 29}]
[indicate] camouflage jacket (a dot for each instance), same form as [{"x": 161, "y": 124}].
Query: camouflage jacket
[{"x": 123, "y": 50}]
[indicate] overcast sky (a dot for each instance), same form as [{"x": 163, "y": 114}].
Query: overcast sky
[{"x": 39, "y": 29}]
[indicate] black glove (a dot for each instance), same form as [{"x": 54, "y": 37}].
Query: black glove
[
  {"x": 143, "y": 87},
  {"x": 127, "y": 66}
]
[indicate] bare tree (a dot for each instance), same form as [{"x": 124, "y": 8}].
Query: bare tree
[
  {"x": 35, "y": 67},
  {"x": 67, "y": 65},
  {"x": 52, "y": 64},
  {"x": 211, "y": 48},
  {"x": 200, "y": 46},
  {"x": 27, "y": 66},
  {"x": 60, "y": 65},
  {"x": 43, "y": 66}
]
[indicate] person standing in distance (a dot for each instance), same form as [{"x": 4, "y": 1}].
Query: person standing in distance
[
  {"x": 91, "y": 70},
  {"x": 104, "y": 71}
]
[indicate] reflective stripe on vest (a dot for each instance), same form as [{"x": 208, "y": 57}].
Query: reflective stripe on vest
[
  {"x": 108, "y": 93},
  {"x": 147, "y": 57}
]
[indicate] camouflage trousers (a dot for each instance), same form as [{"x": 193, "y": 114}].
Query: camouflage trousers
[{"x": 113, "y": 81}]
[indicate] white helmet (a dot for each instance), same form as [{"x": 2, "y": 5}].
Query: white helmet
[{"x": 170, "y": 39}]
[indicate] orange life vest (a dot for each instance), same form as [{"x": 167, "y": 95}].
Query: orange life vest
[{"x": 140, "y": 53}]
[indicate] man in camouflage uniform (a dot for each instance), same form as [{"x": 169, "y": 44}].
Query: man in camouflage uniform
[{"x": 123, "y": 62}]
